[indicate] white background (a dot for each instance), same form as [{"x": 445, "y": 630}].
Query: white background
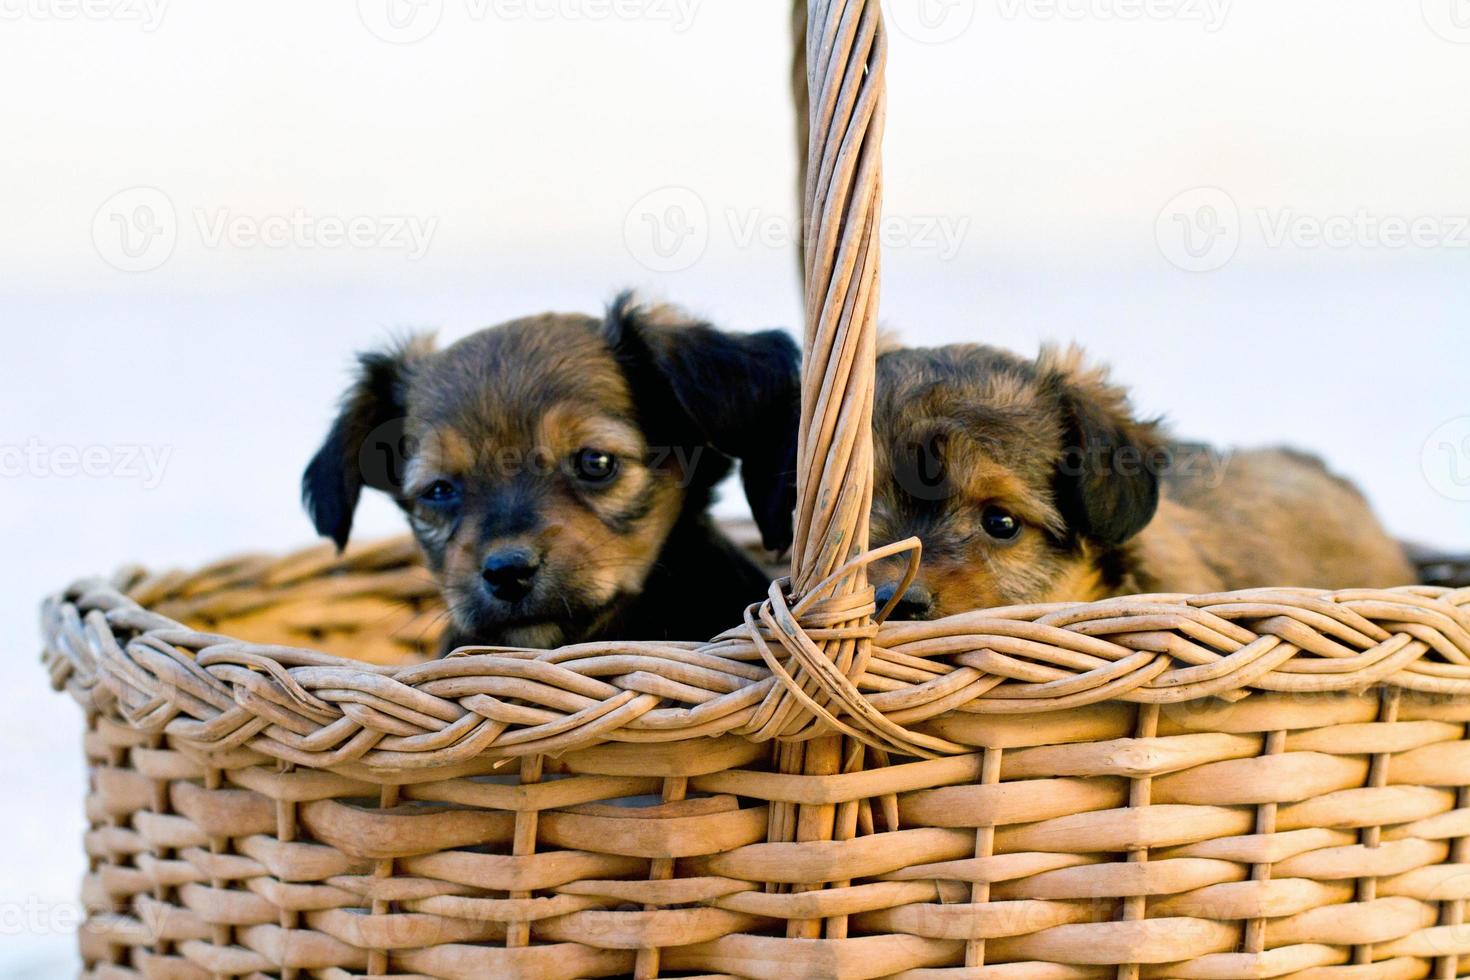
[{"x": 540, "y": 139}]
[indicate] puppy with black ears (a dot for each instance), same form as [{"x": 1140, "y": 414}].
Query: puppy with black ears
[
  {"x": 557, "y": 471},
  {"x": 1033, "y": 481}
]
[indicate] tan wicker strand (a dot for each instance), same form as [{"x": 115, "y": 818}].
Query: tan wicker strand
[
  {"x": 1140, "y": 794},
  {"x": 377, "y": 961},
  {"x": 524, "y": 843},
  {"x": 286, "y": 824},
  {"x": 106, "y": 903},
  {"x": 1452, "y": 904},
  {"x": 801, "y": 104},
  {"x": 984, "y": 849},
  {"x": 1260, "y": 871},
  {"x": 675, "y": 789},
  {"x": 1371, "y": 837}
]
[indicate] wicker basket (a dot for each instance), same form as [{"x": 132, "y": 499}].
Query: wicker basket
[{"x": 1263, "y": 784}]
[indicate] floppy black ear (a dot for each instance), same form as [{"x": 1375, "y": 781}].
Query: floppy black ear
[
  {"x": 738, "y": 393},
  {"x": 1107, "y": 483},
  {"x": 334, "y": 478}
]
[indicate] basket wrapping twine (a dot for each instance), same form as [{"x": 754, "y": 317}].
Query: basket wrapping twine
[{"x": 1162, "y": 785}]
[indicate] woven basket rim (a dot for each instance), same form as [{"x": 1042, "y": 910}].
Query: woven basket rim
[{"x": 217, "y": 691}]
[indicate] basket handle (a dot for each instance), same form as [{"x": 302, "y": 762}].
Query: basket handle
[
  {"x": 819, "y": 717},
  {"x": 845, "y": 55},
  {"x": 824, "y": 622}
]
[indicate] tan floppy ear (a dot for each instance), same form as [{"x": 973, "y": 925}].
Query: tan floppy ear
[
  {"x": 738, "y": 393},
  {"x": 1107, "y": 482},
  {"x": 334, "y": 478}
]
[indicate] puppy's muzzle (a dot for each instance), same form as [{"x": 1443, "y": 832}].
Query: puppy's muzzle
[
  {"x": 510, "y": 574},
  {"x": 916, "y": 603}
]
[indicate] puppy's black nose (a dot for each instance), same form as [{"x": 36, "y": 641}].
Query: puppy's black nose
[
  {"x": 509, "y": 574},
  {"x": 916, "y": 603}
]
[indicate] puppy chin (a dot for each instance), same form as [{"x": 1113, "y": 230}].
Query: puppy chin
[
  {"x": 537, "y": 636},
  {"x": 534, "y": 624},
  {"x": 487, "y": 632}
]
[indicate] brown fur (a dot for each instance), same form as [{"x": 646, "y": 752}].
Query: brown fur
[
  {"x": 1106, "y": 506},
  {"x": 500, "y": 417}
]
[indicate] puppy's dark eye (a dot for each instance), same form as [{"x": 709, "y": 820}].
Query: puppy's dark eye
[
  {"x": 594, "y": 466},
  {"x": 1000, "y": 523},
  {"x": 440, "y": 493}
]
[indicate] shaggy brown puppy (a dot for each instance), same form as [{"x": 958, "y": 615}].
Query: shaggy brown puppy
[
  {"x": 1032, "y": 481},
  {"x": 556, "y": 470}
]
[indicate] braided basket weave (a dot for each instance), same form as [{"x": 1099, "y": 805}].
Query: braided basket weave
[{"x": 1264, "y": 784}]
